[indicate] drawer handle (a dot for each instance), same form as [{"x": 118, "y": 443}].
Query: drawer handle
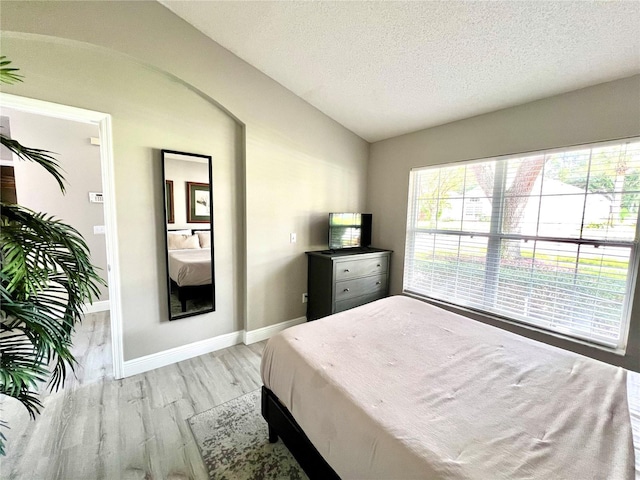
[
  {"x": 346, "y": 270},
  {"x": 346, "y": 290},
  {"x": 378, "y": 283},
  {"x": 378, "y": 265}
]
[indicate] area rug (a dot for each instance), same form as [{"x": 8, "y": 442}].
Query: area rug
[{"x": 233, "y": 441}]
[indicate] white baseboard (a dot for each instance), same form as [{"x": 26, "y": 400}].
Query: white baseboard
[
  {"x": 178, "y": 354},
  {"x": 185, "y": 352},
  {"x": 264, "y": 333},
  {"x": 94, "y": 307}
]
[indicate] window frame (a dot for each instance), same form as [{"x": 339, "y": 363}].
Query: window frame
[{"x": 495, "y": 236}]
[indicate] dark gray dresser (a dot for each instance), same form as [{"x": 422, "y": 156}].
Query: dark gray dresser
[{"x": 340, "y": 280}]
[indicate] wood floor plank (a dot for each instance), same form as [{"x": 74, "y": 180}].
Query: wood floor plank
[
  {"x": 108, "y": 448},
  {"x": 136, "y": 428}
]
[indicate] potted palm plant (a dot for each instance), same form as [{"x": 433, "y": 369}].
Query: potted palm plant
[{"x": 46, "y": 277}]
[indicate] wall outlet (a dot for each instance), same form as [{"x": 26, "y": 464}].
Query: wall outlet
[{"x": 305, "y": 297}]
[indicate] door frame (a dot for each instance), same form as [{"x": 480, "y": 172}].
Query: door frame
[{"x": 103, "y": 122}]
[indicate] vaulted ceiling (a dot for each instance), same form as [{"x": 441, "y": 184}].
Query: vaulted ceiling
[{"x": 383, "y": 69}]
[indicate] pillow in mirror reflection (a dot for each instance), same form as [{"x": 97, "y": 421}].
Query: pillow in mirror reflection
[
  {"x": 205, "y": 239},
  {"x": 182, "y": 242},
  {"x": 179, "y": 232}
]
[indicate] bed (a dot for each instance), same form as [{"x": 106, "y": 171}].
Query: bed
[
  {"x": 190, "y": 273},
  {"x": 399, "y": 388}
]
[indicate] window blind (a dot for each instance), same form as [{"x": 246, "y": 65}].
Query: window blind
[{"x": 548, "y": 238}]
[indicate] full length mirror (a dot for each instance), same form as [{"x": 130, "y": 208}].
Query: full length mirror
[{"x": 188, "y": 207}]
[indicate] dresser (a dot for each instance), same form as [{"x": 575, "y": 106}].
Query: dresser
[{"x": 340, "y": 280}]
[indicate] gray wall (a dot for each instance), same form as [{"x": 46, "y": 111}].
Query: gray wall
[
  {"x": 603, "y": 112},
  {"x": 129, "y": 59},
  {"x": 80, "y": 162}
]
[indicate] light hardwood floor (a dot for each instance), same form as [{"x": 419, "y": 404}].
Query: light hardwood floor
[{"x": 135, "y": 428}]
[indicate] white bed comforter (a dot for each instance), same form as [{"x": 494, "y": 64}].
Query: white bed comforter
[
  {"x": 190, "y": 267},
  {"x": 400, "y": 389}
]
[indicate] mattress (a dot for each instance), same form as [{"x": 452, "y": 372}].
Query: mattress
[
  {"x": 399, "y": 388},
  {"x": 190, "y": 267}
]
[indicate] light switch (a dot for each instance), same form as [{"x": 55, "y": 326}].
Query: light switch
[{"x": 292, "y": 238}]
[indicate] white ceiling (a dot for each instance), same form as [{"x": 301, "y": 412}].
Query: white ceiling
[{"x": 382, "y": 69}]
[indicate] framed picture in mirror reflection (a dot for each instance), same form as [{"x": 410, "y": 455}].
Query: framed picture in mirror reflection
[
  {"x": 198, "y": 208},
  {"x": 169, "y": 201}
]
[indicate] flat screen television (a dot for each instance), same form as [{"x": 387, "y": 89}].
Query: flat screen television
[{"x": 349, "y": 230}]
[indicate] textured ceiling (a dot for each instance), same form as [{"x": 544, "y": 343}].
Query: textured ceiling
[{"x": 382, "y": 69}]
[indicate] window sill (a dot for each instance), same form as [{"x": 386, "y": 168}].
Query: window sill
[{"x": 529, "y": 331}]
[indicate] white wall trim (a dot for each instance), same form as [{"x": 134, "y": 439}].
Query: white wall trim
[
  {"x": 50, "y": 109},
  {"x": 202, "y": 347},
  {"x": 94, "y": 307},
  {"x": 111, "y": 238},
  {"x": 178, "y": 354},
  {"x": 103, "y": 121},
  {"x": 264, "y": 333}
]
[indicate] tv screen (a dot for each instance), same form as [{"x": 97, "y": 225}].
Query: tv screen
[{"x": 349, "y": 230}]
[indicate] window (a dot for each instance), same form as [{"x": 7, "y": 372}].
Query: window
[{"x": 547, "y": 239}]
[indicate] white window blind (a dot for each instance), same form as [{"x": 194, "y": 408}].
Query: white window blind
[{"x": 547, "y": 239}]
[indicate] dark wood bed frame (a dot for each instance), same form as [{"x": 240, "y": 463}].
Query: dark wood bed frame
[
  {"x": 282, "y": 424},
  {"x": 191, "y": 291}
]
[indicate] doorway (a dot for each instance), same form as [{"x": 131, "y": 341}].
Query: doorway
[{"x": 100, "y": 123}]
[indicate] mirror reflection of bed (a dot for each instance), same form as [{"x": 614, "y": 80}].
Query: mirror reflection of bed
[
  {"x": 190, "y": 271},
  {"x": 189, "y": 233}
]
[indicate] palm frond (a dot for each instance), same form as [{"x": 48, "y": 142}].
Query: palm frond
[
  {"x": 8, "y": 75},
  {"x": 38, "y": 250},
  {"x": 41, "y": 157},
  {"x": 45, "y": 277},
  {"x": 3, "y": 439},
  {"x": 22, "y": 367}
]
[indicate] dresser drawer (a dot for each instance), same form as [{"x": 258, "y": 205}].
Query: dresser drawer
[
  {"x": 357, "y": 301},
  {"x": 342, "y": 280},
  {"x": 359, "y": 268},
  {"x": 360, "y": 286}
]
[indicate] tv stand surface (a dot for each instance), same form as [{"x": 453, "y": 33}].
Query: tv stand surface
[{"x": 342, "y": 279}]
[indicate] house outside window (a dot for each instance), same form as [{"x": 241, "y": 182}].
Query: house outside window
[{"x": 548, "y": 239}]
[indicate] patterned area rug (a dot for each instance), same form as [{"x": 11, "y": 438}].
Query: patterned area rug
[{"x": 233, "y": 441}]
